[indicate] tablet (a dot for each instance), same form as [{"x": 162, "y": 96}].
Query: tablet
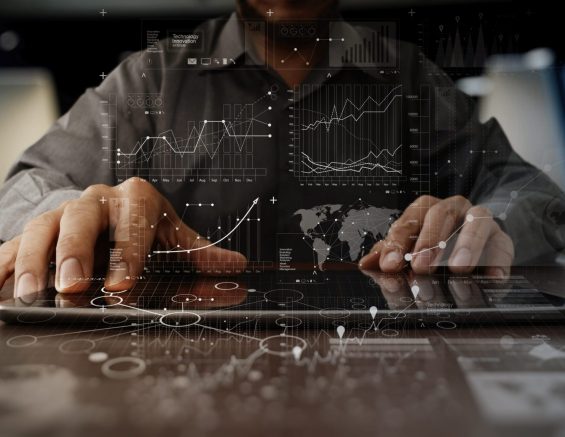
[{"x": 291, "y": 299}]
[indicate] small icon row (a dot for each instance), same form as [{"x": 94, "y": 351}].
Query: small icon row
[{"x": 210, "y": 61}]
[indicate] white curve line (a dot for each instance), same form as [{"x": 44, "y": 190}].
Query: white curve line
[{"x": 215, "y": 242}]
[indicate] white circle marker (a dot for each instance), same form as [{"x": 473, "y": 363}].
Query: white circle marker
[{"x": 168, "y": 319}]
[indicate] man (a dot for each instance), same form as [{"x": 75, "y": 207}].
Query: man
[{"x": 479, "y": 210}]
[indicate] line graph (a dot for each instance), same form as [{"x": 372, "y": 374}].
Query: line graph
[
  {"x": 239, "y": 221},
  {"x": 219, "y": 149},
  {"x": 347, "y": 133},
  {"x": 238, "y": 231}
]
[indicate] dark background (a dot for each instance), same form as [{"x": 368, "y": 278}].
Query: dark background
[{"x": 74, "y": 42}]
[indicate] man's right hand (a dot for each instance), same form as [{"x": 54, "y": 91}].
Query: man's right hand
[{"x": 69, "y": 235}]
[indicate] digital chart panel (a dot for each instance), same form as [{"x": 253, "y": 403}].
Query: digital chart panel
[
  {"x": 347, "y": 133},
  {"x": 207, "y": 150}
]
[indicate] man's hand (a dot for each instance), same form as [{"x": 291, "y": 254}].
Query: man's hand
[
  {"x": 429, "y": 226},
  {"x": 71, "y": 231}
]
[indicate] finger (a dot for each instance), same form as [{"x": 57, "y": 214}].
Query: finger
[
  {"x": 216, "y": 260},
  {"x": 499, "y": 255},
  {"x": 426, "y": 290},
  {"x": 35, "y": 251},
  {"x": 476, "y": 231},
  {"x": 403, "y": 234},
  {"x": 133, "y": 234},
  {"x": 439, "y": 223},
  {"x": 207, "y": 257},
  {"x": 392, "y": 287},
  {"x": 8, "y": 252},
  {"x": 371, "y": 260},
  {"x": 466, "y": 293},
  {"x": 82, "y": 221}
]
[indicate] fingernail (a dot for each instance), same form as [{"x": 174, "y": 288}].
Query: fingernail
[
  {"x": 367, "y": 258},
  {"x": 391, "y": 260},
  {"x": 462, "y": 258},
  {"x": 118, "y": 273},
  {"x": 70, "y": 273},
  {"x": 26, "y": 284},
  {"x": 499, "y": 273}
]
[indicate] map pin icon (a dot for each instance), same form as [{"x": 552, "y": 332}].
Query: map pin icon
[
  {"x": 340, "y": 331},
  {"x": 373, "y": 311},
  {"x": 296, "y": 352}
]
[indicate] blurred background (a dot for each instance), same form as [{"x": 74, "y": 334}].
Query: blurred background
[{"x": 510, "y": 58}]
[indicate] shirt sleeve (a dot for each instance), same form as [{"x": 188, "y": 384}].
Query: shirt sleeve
[{"x": 70, "y": 156}]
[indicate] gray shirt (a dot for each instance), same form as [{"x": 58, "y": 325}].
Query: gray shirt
[{"x": 147, "y": 119}]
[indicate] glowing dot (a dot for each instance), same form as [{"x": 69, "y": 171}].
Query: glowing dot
[
  {"x": 164, "y": 214},
  {"x": 342, "y": 39},
  {"x": 164, "y": 138},
  {"x": 442, "y": 244},
  {"x": 270, "y": 135},
  {"x": 415, "y": 289},
  {"x": 296, "y": 49},
  {"x": 469, "y": 218},
  {"x": 98, "y": 357},
  {"x": 118, "y": 162},
  {"x": 177, "y": 228},
  {"x": 307, "y": 63},
  {"x": 408, "y": 257},
  {"x": 199, "y": 204},
  {"x": 317, "y": 39},
  {"x": 269, "y": 124},
  {"x": 502, "y": 216},
  {"x": 211, "y": 204},
  {"x": 152, "y": 226},
  {"x": 270, "y": 107},
  {"x": 187, "y": 204},
  {"x": 329, "y": 39},
  {"x": 269, "y": 93},
  {"x": 513, "y": 194},
  {"x": 224, "y": 121}
]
